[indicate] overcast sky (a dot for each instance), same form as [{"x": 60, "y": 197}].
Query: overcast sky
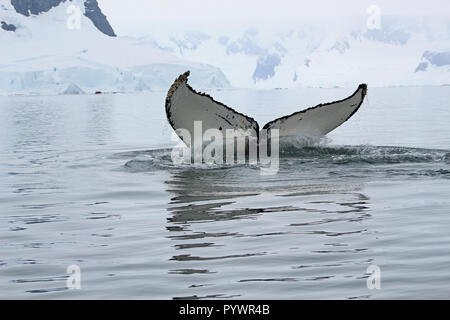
[{"x": 140, "y": 17}]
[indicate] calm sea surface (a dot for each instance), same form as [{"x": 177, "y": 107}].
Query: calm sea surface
[{"x": 88, "y": 181}]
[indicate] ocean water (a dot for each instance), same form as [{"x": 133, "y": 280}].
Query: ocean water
[{"x": 88, "y": 181}]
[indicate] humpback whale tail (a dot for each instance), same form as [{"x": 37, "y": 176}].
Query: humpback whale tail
[{"x": 185, "y": 106}]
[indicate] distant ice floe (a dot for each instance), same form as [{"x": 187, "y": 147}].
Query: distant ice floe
[{"x": 73, "y": 89}]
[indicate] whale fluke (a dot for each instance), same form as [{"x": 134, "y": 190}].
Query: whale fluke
[
  {"x": 321, "y": 119},
  {"x": 184, "y": 106}
]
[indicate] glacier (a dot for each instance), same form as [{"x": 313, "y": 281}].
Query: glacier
[{"x": 44, "y": 55}]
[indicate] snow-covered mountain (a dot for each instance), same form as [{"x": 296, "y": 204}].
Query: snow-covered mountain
[
  {"x": 63, "y": 46},
  {"x": 56, "y": 46},
  {"x": 400, "y": 51},
  {"x": 91, "y": 11}
]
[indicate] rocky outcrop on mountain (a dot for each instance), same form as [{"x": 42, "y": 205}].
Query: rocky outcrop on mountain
[
  {"x": 421, "y": 67},
  {"x": 27, "y": 7},
  {"x": 265, "y": 67},
  {"x": 92, "y": 11},
  {"x": 437, "y": 59},
  {"x": 8, "y": 27}
]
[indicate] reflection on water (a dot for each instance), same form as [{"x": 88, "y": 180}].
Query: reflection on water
[{"x": 214, "y": 215}]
